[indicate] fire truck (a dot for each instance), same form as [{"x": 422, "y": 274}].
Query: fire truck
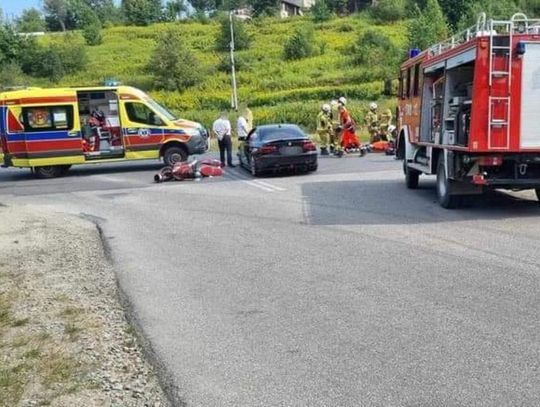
[{"x": 469, "y": 110}]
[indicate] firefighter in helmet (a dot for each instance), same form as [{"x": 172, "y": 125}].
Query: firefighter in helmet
[
  {"x": 334, "y": 113},
  {"x": 385, "y": 122},
  {"x": 372, "y": 123},
  {"x": 324, "y": 127}
]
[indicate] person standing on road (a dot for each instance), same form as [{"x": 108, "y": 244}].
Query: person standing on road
[
  {"x": 222, "y": 130},
  {"x": 334, "y": 136},
  {"x": 372, "y": 123},
  {"x": 324, "y": 127},
  {"x": 248, "y": 115},
  {"x": 242, "y": 130}
]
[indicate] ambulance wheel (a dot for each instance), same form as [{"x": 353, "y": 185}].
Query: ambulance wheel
[
  {"x": 48, "y": 171},
  {"x": 411, "y": 176},
  {"x": 64, "y": 169},
  {"x": 444, "y": 184},
  {"x": 174, "y": 155}
]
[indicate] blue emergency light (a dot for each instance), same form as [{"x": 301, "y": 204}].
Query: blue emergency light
[
  {"x": 521, "y": 48},
  {"x": 112, "y": 82},
  {"x": 414, "y": 52}
]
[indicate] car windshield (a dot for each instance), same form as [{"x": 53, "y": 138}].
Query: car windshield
[
  {"x": 161, "y": 110},
  {"x": 281, "y": 133}
]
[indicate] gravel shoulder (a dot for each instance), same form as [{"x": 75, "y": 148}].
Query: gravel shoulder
[{"x": 64, "y": 338}]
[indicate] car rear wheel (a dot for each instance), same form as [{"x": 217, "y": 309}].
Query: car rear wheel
[
  {"x": 253, "y": 168},
  {"x": 48, "y": 171},
  {"x": 174, "y": 155}
]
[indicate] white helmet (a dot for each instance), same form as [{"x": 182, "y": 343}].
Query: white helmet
[
  {"x": 326, "y": 108},
  {"x": 373, "y": 106},
  {"x": 342, "y": 100}
]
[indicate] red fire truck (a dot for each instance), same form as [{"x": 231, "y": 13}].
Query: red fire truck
[{"x": 469, "y": 110}]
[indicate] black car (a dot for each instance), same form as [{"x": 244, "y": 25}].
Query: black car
[{"x": 277, "y": 147}]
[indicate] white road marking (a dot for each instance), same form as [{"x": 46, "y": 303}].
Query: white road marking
[{"x": 265, "y": 186}]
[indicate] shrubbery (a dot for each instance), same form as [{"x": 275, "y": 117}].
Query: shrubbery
[
  {"x": 242, "y": 40},
  {"x": 389, "y": 10},
  {"x": 320, "y": 11},
  {"x": 300, "y": 44},
  {"x": 172, "y": 64}
]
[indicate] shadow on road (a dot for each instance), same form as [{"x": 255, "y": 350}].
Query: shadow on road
[{"x": 390, "y": 203}]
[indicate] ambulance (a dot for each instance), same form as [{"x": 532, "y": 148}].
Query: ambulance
[{"x": 49, "y": 130}]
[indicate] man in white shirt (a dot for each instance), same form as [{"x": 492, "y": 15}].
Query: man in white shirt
[
  {"x": 222, "y": 130},
  {"x": 242, "y": 128}
]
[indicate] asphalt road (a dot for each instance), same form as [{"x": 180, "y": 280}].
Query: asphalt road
[{"x": 339, "y": 288}]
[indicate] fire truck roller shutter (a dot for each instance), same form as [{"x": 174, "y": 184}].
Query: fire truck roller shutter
[{"x": 530, "y": 97}]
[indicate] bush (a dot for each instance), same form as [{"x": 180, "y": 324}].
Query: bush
[
  {"x": 375, "y": 48},
  {"x": 241, "y": 38},
  {"x": 240, "y": 64},
  {"x": 11, "y": 74},
  {"x": 172, "y": 64},
  {"x": 320, "y": 11},
  {"x": 389, "y": 10},
  {"x": 92, "y": 34},
  {"x": 299, "y": 45}
]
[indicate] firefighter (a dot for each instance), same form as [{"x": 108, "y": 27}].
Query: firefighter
[
  {"x": 334, "y": 136},
  {"x": 385, "y": 122},
  {"x": 324, "y": 127},
  {"x": 349, "y": 141},
  {"x": 372, "y": 123}
]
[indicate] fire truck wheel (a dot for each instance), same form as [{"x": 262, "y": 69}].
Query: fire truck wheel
[
  {"x": 174, "y": 155},
  {"x": 411, "y": 176},
  {"x": 49, "y": 171},
  {"x": 446, "y": 200}
]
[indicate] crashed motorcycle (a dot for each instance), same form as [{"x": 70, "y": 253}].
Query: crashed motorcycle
[{"x": 193, "y": 170}]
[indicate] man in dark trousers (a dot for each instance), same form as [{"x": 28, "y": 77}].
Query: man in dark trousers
[{"x": 222, "y": 130}]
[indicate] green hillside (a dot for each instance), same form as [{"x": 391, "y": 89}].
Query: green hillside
[{"x": 277, "y": 90}]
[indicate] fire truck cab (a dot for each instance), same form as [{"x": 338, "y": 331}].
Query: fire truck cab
[
  {"x": 49, "y": 130},
  {"x": 469, "y": 110}
]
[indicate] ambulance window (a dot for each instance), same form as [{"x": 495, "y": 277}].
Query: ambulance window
[
  {"x": 140, "y": 113},
  {"x": 47, "y": 118}
]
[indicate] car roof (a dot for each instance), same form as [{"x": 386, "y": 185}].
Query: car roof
[{"x": 278, "y": 126}]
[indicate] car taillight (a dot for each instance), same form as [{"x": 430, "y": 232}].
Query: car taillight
[
  {"x": 309, "y": 146},
  {"x": 267, "y": 149},
  {"x": 491, "y": 161}
]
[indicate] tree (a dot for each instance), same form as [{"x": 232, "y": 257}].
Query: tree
[
  {"x": 56, "y": 10},
  {"x": 388, "y": 10},
  {"x": 174, "y": 10},
  {"x": 31, "y": 20},
  {"x": 242, "y": 40},
  {"x": 105, "y": 10},
  {"x": 142, "y": 12},
  {"x": 92, "y": 28},
  {"x": 172, "y": 64},
  {"x": 496, "y": 9},
  {"x": 376, "y": 49},
  {"x": 264, "y": 7},
  {"x": 299, "y": 45},
  {"x": 428, "y": 26},
  {"x": 454, "y": 10},
  {"x": 530, "y": 7},
  {"x": 203, "y": 6},
  {"x": 320, "y": 11}
]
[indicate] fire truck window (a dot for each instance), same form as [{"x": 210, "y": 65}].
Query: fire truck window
[
  {"x": 47, "y": 118},
  {"x": 140, "y": 113},
  {"x": 416, "y": 79},
  {"x": 408, "y": 84}
]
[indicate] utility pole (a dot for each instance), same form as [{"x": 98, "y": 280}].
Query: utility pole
[{"x": 234, "y": 101}]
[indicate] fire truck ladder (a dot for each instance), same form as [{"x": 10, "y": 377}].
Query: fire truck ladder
[{"x": 500, "y": 48}]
